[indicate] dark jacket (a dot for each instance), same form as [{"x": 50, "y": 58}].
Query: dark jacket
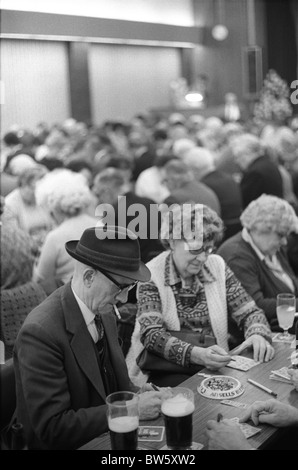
[
  {"x": 196, "y": 192},
  {"x": 150, "y": 245},
  {"x": 230, "y": 199},
  {"x": 60, "y": 391},
  {"x": 261, "y": 177}
]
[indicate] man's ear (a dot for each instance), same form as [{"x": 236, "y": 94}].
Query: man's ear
[{"x": 88, "y": 277}]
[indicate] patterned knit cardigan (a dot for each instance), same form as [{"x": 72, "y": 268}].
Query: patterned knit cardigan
[{"x": 216, "y": 301}]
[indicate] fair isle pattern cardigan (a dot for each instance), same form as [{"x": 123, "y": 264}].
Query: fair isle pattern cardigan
[{"x": 216, "y": 301}]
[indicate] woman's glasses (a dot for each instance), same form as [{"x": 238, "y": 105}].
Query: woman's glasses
[{"x": 204, "y": 249}]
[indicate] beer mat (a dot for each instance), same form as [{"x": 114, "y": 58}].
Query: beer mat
[
  {"x": 279, "y": 339},
  {"x": 220, "y": 387},
  {"x": 235, "y": 404},
  {"x": 194, "y": 446},
  {"x": 279, "y": 379},
  {"x": 246, "y": 428},
  {"x": 151, "y": 433},
  {"x": 242, "y": 363},
  {"x": 282, "y": 373}
]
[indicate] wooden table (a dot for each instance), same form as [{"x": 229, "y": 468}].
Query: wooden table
[{"x": 206, "y": 408}]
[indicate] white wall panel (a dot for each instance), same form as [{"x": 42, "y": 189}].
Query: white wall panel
[
  {"x": 127, "y": 80},
  {"x": 177, "y": 12},
  {"x": 35, "y": 79}
]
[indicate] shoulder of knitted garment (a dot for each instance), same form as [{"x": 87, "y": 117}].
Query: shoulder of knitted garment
[{"x": 159, "y": 259}]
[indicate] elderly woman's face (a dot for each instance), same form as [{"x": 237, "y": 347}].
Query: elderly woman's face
[
  {"x": 190, "y": 262},
  {"x": 269, "y": 241}
]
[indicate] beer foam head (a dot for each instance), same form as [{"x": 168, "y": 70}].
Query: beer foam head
[
  {"x": 177, "y": 406},
  {"x": 123, "y": 423}
]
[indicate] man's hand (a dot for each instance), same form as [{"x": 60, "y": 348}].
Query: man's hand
[
  {"x": 271, "y": 412},
  {"x": 226, "y": 436},
  {"x": 149, "y": 405}
]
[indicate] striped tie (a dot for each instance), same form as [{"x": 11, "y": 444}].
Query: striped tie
[{"x": 99, "y": 326}]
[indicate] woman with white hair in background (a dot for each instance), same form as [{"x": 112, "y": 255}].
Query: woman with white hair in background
[
  {"x": 68, "y": 199},
  {"x": 258, "y": 254}
]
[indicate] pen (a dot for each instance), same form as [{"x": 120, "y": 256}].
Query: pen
[
  {"x": 155, "y": 387},
  {"x": 219, "y": 417},
  {"x": 262, "y": 387},
  {"x": 117, "y": 312}
]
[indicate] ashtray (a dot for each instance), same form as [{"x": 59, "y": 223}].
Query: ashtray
[{"x": 220, "y": 386}]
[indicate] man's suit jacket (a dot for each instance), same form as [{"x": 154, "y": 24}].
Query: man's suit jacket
[
  {"x": 60, "y": 392},
  {"x": 261, "y": 177}
]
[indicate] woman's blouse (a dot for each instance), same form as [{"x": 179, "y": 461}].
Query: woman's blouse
[{"x": 193, "y": 313}]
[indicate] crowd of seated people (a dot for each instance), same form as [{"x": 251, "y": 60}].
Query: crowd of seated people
[{"x": 157, "y": 157}]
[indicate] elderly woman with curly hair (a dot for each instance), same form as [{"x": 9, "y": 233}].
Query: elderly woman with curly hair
[
  {"x": 68, "y": 199},
  {"x": 258, "y": 254},
  {"x": 193, "y": 290}
]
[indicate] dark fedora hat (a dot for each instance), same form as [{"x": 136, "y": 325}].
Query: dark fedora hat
[{"x": 112, "y": 249}]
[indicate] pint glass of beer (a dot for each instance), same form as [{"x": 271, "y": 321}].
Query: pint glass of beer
[
  {"x": 177, "y": 411},
  {"x": 123, "y": 420}
]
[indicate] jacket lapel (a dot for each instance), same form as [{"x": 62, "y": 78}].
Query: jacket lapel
[
  {"x": 115, "y": 353},
  {"x": 81, "y": 341}
]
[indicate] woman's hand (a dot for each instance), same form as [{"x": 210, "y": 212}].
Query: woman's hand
[
  {"x": 262, "y": 350},
  {"x": 213, "y": 357},
  {"x": 149, "y": 405},
  {"x": 226, "y": 436}
]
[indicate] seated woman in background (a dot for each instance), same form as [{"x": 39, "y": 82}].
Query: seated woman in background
[
  {"x": 67, "y": 197},
  {"x": 19, "y": 294},
  {"x": 258, "y": 254},
  {"x": 191, "y": 288},
  {"x": 30, "y": 217}
]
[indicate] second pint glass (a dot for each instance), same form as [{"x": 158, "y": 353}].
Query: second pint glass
[
  {"x": 177, "y": 411},
  {"x": 123, "y": 420}
]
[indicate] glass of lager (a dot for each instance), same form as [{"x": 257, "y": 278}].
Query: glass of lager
[
  {"x": 177, "y": 411},
  {"x": 123, "y": 420}
]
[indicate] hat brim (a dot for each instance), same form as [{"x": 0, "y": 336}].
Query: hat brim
[{"x": 143, "y": 274}]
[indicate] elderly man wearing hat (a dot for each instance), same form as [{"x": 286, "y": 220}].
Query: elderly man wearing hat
[{"x": 67, "y": 355}]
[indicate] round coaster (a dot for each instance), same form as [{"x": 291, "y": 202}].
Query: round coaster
[{"x": 220, "y": 386}]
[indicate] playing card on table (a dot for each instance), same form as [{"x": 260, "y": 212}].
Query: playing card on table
[
  {"x": 194, "y": 446},
  {"x": 246, "y": 428},
  {"x": 235, "y": 404},
  {"x": 150, "y": 433},
  {"x": 242, "y": 363}
]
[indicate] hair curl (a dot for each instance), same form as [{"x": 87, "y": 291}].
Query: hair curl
[
  {"x": 213, "y": 227},
  {"x": 270, "y": 213},
  {"x": 65, "y": 191}
]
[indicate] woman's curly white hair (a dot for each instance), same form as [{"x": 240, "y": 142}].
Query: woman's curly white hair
[
  {"x": 270, "y": 213},
  {"x": 65, "y": 191},
  {"x": 194, "y": 223}
]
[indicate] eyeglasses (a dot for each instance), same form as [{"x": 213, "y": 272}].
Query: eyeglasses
[
  {"x": 121, "y": 287},
  {"x": 206, "y": 250}
]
